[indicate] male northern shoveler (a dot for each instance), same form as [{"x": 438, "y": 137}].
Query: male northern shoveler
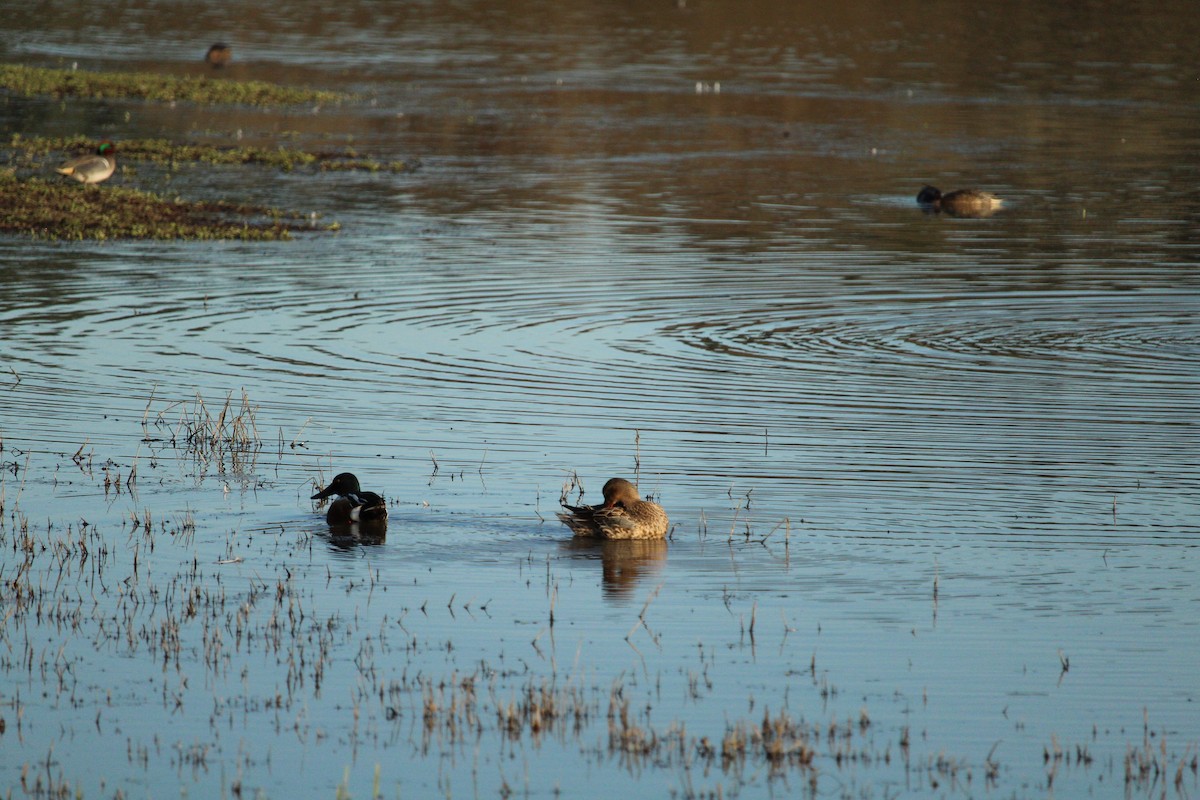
[
  {"x": 218, "y": 55},
  {"x": 353, "y": 504},
  {"x": 92, "y": 168},
  {"x": 623, "y": 515},
  {"x": 963, "y": 203}
]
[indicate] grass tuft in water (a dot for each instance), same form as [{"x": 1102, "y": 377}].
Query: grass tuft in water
[{"x": 229, "y": 440}]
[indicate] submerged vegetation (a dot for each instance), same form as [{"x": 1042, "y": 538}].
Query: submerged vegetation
[
  {"x": 62, "y": 210},
  {"x": 31, "y": 81}
]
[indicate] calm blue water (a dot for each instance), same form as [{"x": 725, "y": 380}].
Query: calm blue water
[{"x": 933, "y": 480}]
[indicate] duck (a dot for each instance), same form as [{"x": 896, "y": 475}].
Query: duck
[
  {"x": 92, "y": 168},
  {"x": 352, "y": 504},
  {"x": 962, "y": 203},
  {"x": 218, "y": 55},
  {"x": 622, "y": 515}
]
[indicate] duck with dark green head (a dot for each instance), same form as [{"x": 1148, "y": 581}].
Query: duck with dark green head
[
  {"x": 352, "y": 504},
  {"x": 94, "y": 167},
  {"x": 962, "y": 203}
]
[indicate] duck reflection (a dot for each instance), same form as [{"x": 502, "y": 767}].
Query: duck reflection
[
  {"x": 624, "y": 562},
  {"x": 351, "y": 536}
]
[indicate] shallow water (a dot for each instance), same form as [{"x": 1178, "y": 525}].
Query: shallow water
[{"x": 933, "y": 480}]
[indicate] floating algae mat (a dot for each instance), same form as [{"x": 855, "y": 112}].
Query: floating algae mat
[
  {"x": 152, "y": 86},
  {"x": 69, "y": 211}
]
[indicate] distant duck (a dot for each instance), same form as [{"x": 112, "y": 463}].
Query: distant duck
[
  {"x": 93, "y": 168},
  {"x": 353, "y": 504},
  {"x": 623, "y": 515},
  {"x": 963, "y": 203},
  {"x": 218, "y": 55}
]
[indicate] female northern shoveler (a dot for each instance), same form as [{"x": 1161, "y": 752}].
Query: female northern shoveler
[
  {"x": 92, "y": 168},
  {"x": 218, "y": 55},
  {"x": 353, "y": 504},
  {"x": 623, "y": 515},
  {"x": 963, "y": 203}
]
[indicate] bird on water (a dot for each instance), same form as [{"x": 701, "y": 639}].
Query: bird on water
[
  {"x": 352, "y": 503},
  {"x": 622, "y": 515},
  {"x": 962, "y": 203}
]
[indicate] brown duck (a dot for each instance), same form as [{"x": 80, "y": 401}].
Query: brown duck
[
  {"x": 963, "y": 203},
  {"x": 622, "y": 515},
  {"x": 218, "y": 55}
]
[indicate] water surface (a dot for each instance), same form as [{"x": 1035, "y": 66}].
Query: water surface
[{"x": 933, "y": 480}]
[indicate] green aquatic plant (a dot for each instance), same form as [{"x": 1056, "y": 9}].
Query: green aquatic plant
[
  {"x": 30, "y": 81},
  {"x": 162, "y": 151},
  {"x": 69, "y": 211}
]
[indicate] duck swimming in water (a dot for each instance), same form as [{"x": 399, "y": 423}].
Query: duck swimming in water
[
  {"x": 353, "y": 504},
  {"x": 622, "y": 515},
  {"x": 218, "y": 55},
  {"x": 962, "y": 203}
]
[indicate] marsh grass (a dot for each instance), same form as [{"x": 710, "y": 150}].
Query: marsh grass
[
  {"x": 31, "y": 81},
  {"x": 1152, "y": 765},
  {"x": 45, "y": 210},
  {"x": 173, "y": 154},
  {"x": 142, "y": 591},
  {"x": 204, "y": 612},
  {"x": 229, "y": 440},
  {"x": 61, "y": 209}
]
